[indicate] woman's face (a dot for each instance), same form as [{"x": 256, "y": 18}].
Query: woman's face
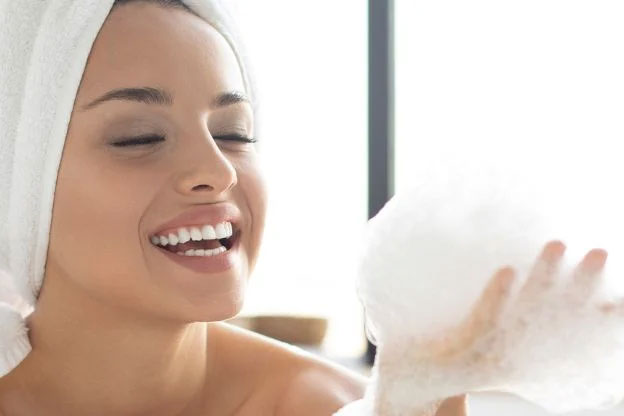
[{"x": 111, "y": 200}]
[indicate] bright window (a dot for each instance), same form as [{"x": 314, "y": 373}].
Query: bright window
[
  {"x": 533, "y": 84},
  {"x": 309, "y": 60}
]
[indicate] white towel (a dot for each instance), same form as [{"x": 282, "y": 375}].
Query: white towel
[{"x": 44, "y": 45}]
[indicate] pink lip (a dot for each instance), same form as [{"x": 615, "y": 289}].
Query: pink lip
[{"x": 200, "y": 215}]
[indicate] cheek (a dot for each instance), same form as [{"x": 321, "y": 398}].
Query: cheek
[
  {"x": 94, "y": 236},
  {"x": 253, "y": 186}
]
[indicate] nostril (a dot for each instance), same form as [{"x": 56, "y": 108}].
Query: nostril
[{"x": 200, "y": 187}]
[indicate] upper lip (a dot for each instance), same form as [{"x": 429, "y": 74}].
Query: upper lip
[{"x": 200, "y": 215}]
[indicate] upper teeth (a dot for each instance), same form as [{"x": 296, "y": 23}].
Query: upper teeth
[{"x": 184, "y": 234}]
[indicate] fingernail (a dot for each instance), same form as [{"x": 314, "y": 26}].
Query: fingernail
[
  {"x": 555, "y": 251},
  {"x": 596, "y": 260},
  {"x": 507, "y": 281}
]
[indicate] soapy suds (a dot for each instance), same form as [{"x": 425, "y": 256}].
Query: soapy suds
[{"x": 429, "y": 254}]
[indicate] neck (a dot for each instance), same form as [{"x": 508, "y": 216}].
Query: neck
[{"x": 89, "y": 356}]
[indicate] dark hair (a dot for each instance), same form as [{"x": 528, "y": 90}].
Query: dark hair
[{"x": 172, "y": 4}]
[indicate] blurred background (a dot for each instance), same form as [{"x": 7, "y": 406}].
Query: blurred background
[
  {"x": 309, "y": 60},
  {"x": 357, "y": 97}
]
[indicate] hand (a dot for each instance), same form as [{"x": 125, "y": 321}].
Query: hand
[
  {"x": 497, "y": 307},
  {"x": 476, "y": 354}
]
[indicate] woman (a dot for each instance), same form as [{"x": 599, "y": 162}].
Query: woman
[
  {"x": 160, "y": 148},
  {"x": 120, "y": 326}
]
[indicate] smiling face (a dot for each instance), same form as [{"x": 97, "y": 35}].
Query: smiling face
[{"x": 186, "y": 97}]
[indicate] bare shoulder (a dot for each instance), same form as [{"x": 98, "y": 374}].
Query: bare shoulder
[
  {"x": 318, "y": 387},
  {"x": 286, "y": 379}
]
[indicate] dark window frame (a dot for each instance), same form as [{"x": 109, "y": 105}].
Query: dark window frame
[{"x": 380, "y": 112}]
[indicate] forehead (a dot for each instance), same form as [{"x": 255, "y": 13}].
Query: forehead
[{"x": 143, "y": 44}]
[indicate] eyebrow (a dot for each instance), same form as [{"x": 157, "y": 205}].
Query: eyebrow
[{"x": 149, "y": 95}]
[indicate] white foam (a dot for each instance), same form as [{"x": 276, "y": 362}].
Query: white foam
[{"x": 429, "y": 253}]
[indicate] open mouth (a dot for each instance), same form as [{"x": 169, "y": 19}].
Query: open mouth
[{"x": 217, "y": 246}]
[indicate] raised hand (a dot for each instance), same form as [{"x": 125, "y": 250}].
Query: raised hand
[
  {"x": 480, "y": 352},
  {"x": 498, "y": 302}
]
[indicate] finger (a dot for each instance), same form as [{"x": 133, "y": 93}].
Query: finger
[
  {"x": 484, "y": 316},
  {"x": 594, "y": 260},
  {"x": 613, "y": 308},
  {"x": 489, "y": 307},
  {"x": 456, "y": 405},
  {"x": 586, "y": 276},
  {"x": 544, "y": 272}
]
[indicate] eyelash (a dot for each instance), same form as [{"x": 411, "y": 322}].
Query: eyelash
[{"x": 152, "y": 139}]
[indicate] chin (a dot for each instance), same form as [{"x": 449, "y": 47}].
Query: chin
[{"x": 218, "y": 309}]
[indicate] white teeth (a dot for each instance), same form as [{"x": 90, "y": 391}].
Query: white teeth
[
  {"x": 196, "y": 234},
  {"x": 183, "y": 235},
  {"x": 208, "y": 233},
  {"x": 220, "y": 230},
  {"x": 173, "y": 239},
  {"x": 203, "y": 253}
]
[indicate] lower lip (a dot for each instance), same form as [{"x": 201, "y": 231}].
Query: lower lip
[{"x": 206, "y": 264}]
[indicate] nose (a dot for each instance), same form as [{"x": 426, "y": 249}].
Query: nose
[{"x": 207, "y": 170}]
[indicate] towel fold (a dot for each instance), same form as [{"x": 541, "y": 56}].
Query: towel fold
[{"x": 44, "y": 46}]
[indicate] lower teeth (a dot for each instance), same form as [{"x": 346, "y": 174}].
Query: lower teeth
[{"x": 203, "y": 253}]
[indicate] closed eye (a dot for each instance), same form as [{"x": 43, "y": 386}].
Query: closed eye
[
  {"x": 148, "y": 139},
  {"x": 236, "y": 137},
  {"x": 152, "y": 139}
]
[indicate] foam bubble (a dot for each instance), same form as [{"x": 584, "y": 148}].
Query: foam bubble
[{"x": 430, "y": 252}]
